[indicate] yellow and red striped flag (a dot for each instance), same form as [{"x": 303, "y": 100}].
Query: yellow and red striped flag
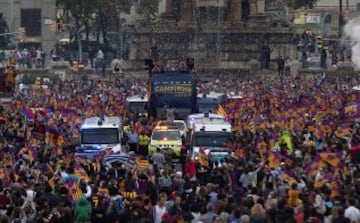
[{"x": 142, "y": 164}]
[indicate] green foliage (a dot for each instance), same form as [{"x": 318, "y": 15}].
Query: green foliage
[
  {"x": 104, "y": 15},
  {"x": 4, "y": 40},
  {"x": 30, "y": 78},
  {"x": 148, "y": 8},
  {"x": 296, "y": 4}
]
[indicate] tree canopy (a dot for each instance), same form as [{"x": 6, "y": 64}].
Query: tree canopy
[
  {"x": 4, "y": 40},
  {"x": 296, "y": 4},
  {"x": 103, "y": 16}
]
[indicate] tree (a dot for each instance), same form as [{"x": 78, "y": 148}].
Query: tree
[
  {"x": 296, "y": 4},
  {"x": 147, "y": 8},
  {"x": 108, "y": 15},
  {"x": 80, "y": 15},
  {"x": 4, "y": 40}
]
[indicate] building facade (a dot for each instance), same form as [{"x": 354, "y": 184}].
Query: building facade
[{"x": 34, "y": 16}]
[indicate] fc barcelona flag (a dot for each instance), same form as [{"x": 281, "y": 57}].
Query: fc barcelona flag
[{"x": 350, "y": 112}]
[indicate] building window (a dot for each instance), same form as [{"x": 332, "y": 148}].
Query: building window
[
  {"x": 31, "y": 20},
  {"x": 201, "y": 15}
]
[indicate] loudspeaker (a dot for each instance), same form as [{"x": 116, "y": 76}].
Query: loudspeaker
[
  {"x": 190, "y": 63},
  {"x": 149, "y": 64}
]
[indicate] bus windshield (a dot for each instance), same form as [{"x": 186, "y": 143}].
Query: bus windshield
[
  {"x": 211, "y": 139},
  {"x": 100, "y": 136}
]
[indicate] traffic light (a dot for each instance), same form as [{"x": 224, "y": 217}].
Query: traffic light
[
  {"x": 21, "y": 33},
  {"x": 190, "y": 63},
  {"x": 347, "y": 15},
  {"x": 319, "y": 42},
  {"x": 53, "y": 26},
  {"x": 75, "y": 66},
  {"x": 63, "y": 27}
]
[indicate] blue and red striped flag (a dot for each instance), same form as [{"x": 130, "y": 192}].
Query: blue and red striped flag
[{"x": 28, "y": 113}]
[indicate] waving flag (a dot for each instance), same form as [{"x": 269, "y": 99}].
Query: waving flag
[
  {"x": 141, "y": 163},
  {"x": 350, "y": 112},
  {"x": 330, "y": 158},
  {"x": 75, "y": 190},
  {"x": 121, "y": 158},
  {"x": 28, "y": 113},
  {"x": 8, "y": 160},
  {"x": 81, "y": 173},
  {"x": 321, "y": 81}
]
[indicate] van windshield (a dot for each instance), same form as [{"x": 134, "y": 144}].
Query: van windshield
[
  {"x": 100, "y": 136},
  {"x": 211, "y": 139}
]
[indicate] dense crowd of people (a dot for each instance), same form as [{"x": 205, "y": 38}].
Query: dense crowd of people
[{"x": 293, "y": 156}]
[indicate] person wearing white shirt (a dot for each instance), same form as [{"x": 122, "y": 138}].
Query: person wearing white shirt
[
  {"x": 30, "y": 193},
  {"x": 160, "y": 209},
  {"x": 351, "y": 212}
]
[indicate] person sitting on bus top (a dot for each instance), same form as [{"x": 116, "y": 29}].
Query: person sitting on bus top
[{"x": 170, "y": 114}]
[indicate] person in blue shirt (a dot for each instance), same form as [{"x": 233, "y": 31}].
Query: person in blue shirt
[{"x": 133, "y": 140}]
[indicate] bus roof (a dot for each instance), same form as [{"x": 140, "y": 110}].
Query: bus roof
[
  {"x": 356, "y": 88},
  {"x": 137, "y": 98},
  {"x": 211, "y": 94},
  {"x": 98, "y": 122}
]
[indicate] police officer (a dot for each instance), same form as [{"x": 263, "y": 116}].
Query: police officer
[{"x": 144, "y": 141}]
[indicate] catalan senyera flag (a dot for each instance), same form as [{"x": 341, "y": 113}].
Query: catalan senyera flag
[
  {"x": 32, "y": 154},
  {"x": 8, "y": 160},
  {"x": 239, "y": 153},
  {"x": 320, "y": 183},
  {"x": 273, "y": 161},
  {"x": 203, "y": 160},
  {"x": 330, "y": 158},
  {"x": 290, "y": 180},
  {"x": 2, "y": 174},
  {"x": 142, "y": 164},
  {"x": 334, "y": 189},
  {"x": 251, "y": 126},
  {"x": 51, "y": 182}
]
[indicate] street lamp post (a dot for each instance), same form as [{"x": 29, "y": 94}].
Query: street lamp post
[
  {"x": 80, "y": 45},
  {"x": 341, "y": 17},
  {"x": 323, "y": 22}
]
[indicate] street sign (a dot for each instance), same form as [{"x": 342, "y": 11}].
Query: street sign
[
  {"x": 81, "y": 65},
  {"x": 315, "y": 19},
  {"x": 48, "y": 21}
]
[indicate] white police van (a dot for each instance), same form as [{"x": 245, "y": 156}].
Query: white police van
[
  {"x": 203, "y": 117},
  {"x": 98, "y": 134},
  {"x": 211, "y": 137}
]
